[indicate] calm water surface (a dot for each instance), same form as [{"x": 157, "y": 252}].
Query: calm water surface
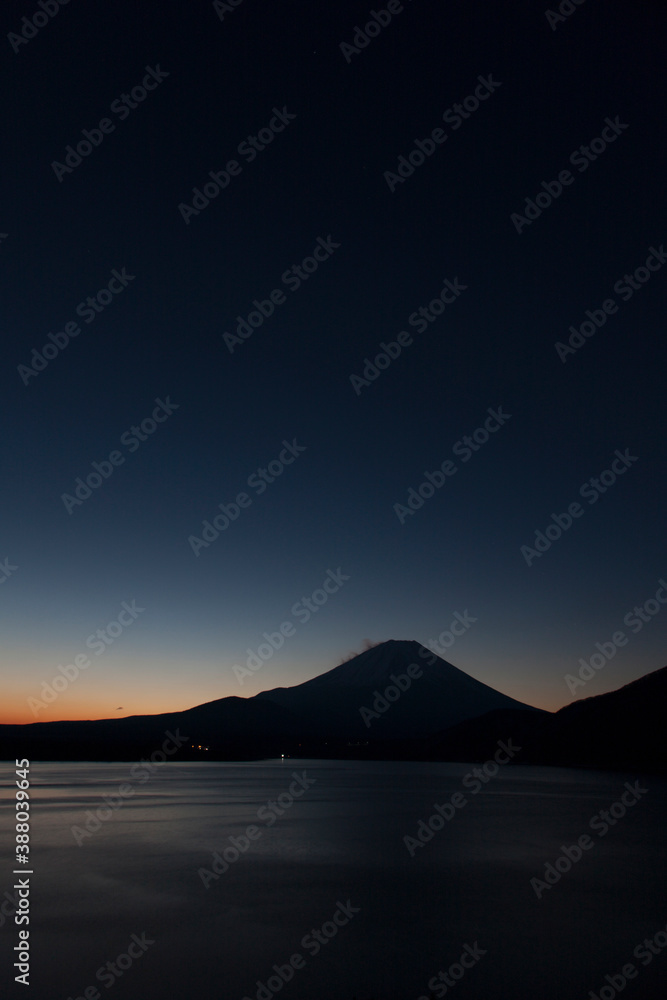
[{"x": 340, "y": 842}]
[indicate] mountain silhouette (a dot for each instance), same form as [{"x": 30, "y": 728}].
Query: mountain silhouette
[
  {"x": 619, "y": 730},
  {"x": 397, "y": 700},
  {"x": 438, "y": 696}
]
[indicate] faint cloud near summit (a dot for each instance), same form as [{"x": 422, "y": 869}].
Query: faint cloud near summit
[{"x": 367, "y": 644}]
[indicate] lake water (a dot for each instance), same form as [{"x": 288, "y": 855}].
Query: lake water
[{"x": 335, "y": 862}]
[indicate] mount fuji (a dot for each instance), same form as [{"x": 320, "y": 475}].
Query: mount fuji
[
  {"x": 397, "y": 700},
  {"x": 398, "y": 689}
]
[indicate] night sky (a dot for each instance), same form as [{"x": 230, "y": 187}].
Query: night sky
[{"x": 352, "y": 187}]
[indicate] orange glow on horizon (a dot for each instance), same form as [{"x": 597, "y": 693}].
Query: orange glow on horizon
[{"x": 16, "y": 711}]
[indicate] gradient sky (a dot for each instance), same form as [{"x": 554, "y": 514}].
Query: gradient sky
[{"x": 162, "y": 336}]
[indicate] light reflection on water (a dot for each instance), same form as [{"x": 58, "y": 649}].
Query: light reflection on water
[{"x": 341, "y": 839}]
